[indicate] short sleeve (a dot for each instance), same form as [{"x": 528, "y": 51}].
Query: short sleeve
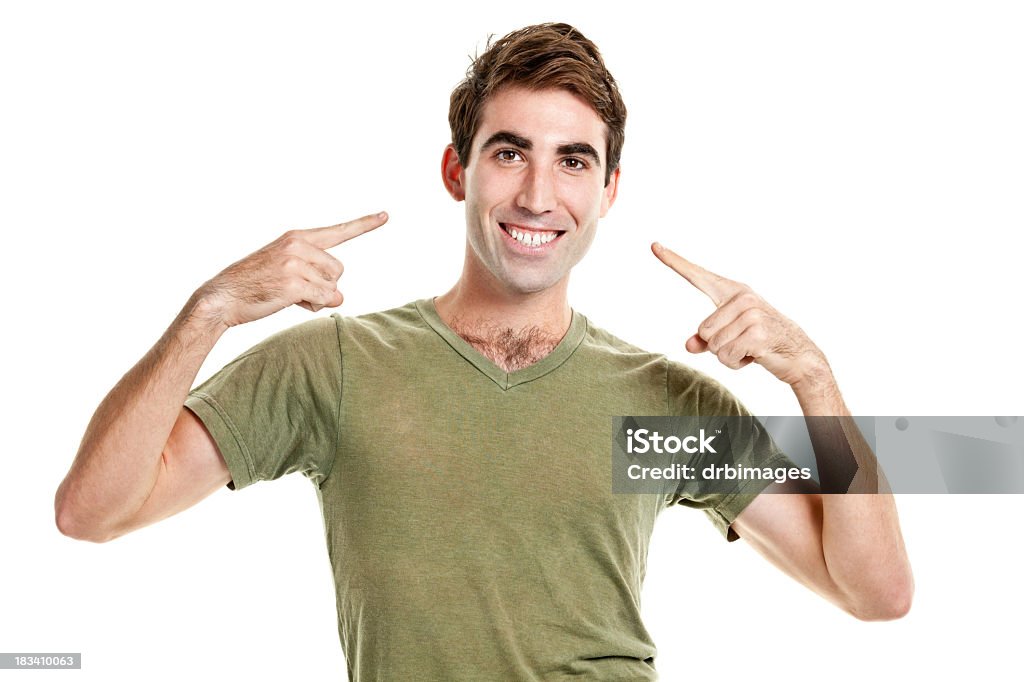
[
  {"x": 274, "y": 409},
  {"x": 692, "y": 393}
]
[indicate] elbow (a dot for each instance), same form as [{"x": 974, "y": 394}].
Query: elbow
[
  {"x": 892, "y": 609},
  {"x": 892, "y": 603},
  {"x": 70, "y": 525}
]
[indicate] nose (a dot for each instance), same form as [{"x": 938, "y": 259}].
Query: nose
[{"x": 538, "y": 193}]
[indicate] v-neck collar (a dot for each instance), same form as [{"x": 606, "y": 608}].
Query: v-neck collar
[{"x": 505, "y": 380}]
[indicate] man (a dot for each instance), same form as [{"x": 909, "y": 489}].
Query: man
[{"x": 458, "y": 444}]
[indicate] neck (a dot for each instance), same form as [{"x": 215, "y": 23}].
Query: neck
[
  {"x": 512, "y": 329},
  {"x": 478, "y": 302}
]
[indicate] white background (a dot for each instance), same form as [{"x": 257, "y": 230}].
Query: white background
[{"x": 860, "y": 166}]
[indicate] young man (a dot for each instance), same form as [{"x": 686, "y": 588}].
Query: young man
[{"x": 458, "y": 444}]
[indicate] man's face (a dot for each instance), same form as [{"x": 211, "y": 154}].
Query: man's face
[{"x": 534, "y": 187}]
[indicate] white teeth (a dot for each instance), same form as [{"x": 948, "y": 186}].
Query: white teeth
[{"x": 531, "y": 239}]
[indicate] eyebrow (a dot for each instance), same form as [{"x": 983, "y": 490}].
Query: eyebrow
[
  {"x": 511, "y": 138},
  {"x": 507, "y": 137},
  {"x": 581, "y": 149}
]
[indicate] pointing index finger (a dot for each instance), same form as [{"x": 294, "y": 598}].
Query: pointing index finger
[
  {"x": 717, "y": 288},
  {"x": 326, "y": 237}
]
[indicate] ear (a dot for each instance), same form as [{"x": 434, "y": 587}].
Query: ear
[
  {"x": 452, "y": 174},
  {"x": 611, "y": 191}
]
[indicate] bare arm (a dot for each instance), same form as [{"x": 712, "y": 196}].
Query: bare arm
[
  {"x": 846, "y": 547},
  {"x": 144, "y": 456},
  {"x": 121, "y": 454}
]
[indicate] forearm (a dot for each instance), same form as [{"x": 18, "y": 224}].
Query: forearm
[
  {"x": 861, "y": 540},
  {"x": 120, "y": 455}
]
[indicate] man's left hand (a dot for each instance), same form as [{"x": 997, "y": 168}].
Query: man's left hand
[{"x": 744, "y": 328}]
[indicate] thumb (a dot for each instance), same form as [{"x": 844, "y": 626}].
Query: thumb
[
  {"x": 695, "y": 344},
  {"x": 336, "y": 300}
]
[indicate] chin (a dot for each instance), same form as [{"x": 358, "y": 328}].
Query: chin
[{"x": 530, "y": 285}]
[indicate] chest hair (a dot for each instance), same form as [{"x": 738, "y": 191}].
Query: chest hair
[{"x": 508, "y": 348}]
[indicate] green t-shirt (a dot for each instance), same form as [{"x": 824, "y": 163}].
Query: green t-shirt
[{"x": 469, "y": 513}]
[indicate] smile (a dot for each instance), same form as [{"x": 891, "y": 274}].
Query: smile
[{"x": 530, "y": 237}]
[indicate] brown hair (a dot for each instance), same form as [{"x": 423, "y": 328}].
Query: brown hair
[{"x": 538, "y": 57}]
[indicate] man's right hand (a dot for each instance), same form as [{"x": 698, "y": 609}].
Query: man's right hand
[{"x": 295, "y": 268}]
